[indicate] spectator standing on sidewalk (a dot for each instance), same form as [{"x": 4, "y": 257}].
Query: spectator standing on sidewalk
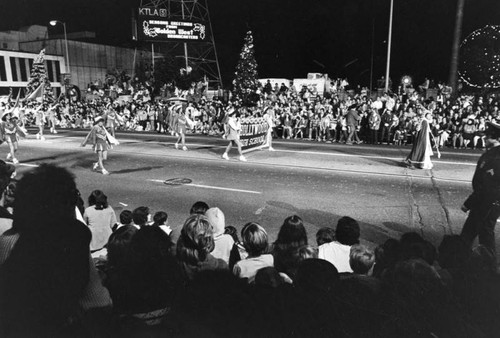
[
  {"x": 386, "y": 126},
  {"x": 352, "y": 121},
  {"x": 374, "y": 123}
]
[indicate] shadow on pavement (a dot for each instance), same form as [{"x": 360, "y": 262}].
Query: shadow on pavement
[
  {"x": 126, "y": 171},
  {"x": 41, "y": 159},
  {"x": 377, "y": 234}
]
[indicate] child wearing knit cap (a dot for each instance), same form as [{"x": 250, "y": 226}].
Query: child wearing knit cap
[{"x": 223, "y": 242}]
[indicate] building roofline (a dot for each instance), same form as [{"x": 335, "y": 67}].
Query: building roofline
[{"x": 26, "y": 52}]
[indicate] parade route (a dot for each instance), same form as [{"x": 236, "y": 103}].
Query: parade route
[{"x": 317, "y": 181}]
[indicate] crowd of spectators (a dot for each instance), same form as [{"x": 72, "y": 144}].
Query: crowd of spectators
[
  {"x": 216, "y": 278},
  {"x": 352, "y": 116}
]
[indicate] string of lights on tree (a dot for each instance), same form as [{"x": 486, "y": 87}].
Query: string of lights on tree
[
  {"x": 245, "y": 83},
  {"x": 480, "y": 58}
]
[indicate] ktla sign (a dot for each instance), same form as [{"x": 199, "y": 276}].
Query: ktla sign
[
  {"x": 151, "y": 11},
  {"x": 153, "y": 24}
]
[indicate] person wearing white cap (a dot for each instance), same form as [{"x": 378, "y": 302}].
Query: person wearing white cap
[
  {"x": 223, "y": 243},
  {"x": 98, "y": 136},
  {"x": 233, "y": 135}
]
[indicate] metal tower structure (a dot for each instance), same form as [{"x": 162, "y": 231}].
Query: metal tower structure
[{"x": 200, "y": 56}]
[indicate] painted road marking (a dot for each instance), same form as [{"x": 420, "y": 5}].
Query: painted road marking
[
  {"x": 212, "y": 187},
  {"x": 26, "y": 165}
]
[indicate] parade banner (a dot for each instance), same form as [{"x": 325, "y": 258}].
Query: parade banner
[{"x": 253, "y": 133}]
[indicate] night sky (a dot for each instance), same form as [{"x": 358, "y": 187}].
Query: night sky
[{"x": 293, "y": 37}]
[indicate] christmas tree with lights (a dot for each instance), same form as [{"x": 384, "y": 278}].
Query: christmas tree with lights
[
  {"x": 245, "y": 83},
  {"x": 38, "y": 83}
]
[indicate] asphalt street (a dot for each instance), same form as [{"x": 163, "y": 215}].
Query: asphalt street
[{"x": 320, "y": 182}]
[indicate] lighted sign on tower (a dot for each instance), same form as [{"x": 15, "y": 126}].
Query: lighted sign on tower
[{"x": 154, "y": 24}]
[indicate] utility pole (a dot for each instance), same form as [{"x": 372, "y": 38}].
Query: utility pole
[
  {"x": 453, "y": 79},
  {"x": 389, "y": 42}
]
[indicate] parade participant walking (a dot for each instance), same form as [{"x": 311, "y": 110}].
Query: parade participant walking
[
  {"x": 269, "y": 118},
  {"x": 51, "y": 114},
  {"x": 421, "y": 151},
  {"x": 111, "y": 119},
  {"x": 182, "y": 121},
  {"x": 40, "y": 121},
  {"x": 100, "y": 139},
  {"x": 11, "y": 133},
  {"x": 233, "y": 134},
  {"x": 483, "y": 204}
]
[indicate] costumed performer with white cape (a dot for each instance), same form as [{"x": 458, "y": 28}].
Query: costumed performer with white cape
[{"x": 421, "y": 151}]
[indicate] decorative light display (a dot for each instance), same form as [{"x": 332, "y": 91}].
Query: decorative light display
[
  {"x": 480, "y": 58},
  {"x": 406, "y": 80}
]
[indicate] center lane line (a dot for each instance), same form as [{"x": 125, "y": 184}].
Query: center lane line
[{"x": 212, "y": 187}]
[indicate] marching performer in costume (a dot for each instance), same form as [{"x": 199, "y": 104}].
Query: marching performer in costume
[
  {"x": 102, "y": 141},
  {"x": 40, "y": 122},
  {"x": 11, "y": 132},
  {"x": 233, "y": 135},
  {"x": 182, "y": 122},
  {"x": 111, "y": 118},
  {"x": 51, "y": 114}
]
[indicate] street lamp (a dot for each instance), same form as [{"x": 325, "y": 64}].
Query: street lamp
[{"x": 55, "y": 22}]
